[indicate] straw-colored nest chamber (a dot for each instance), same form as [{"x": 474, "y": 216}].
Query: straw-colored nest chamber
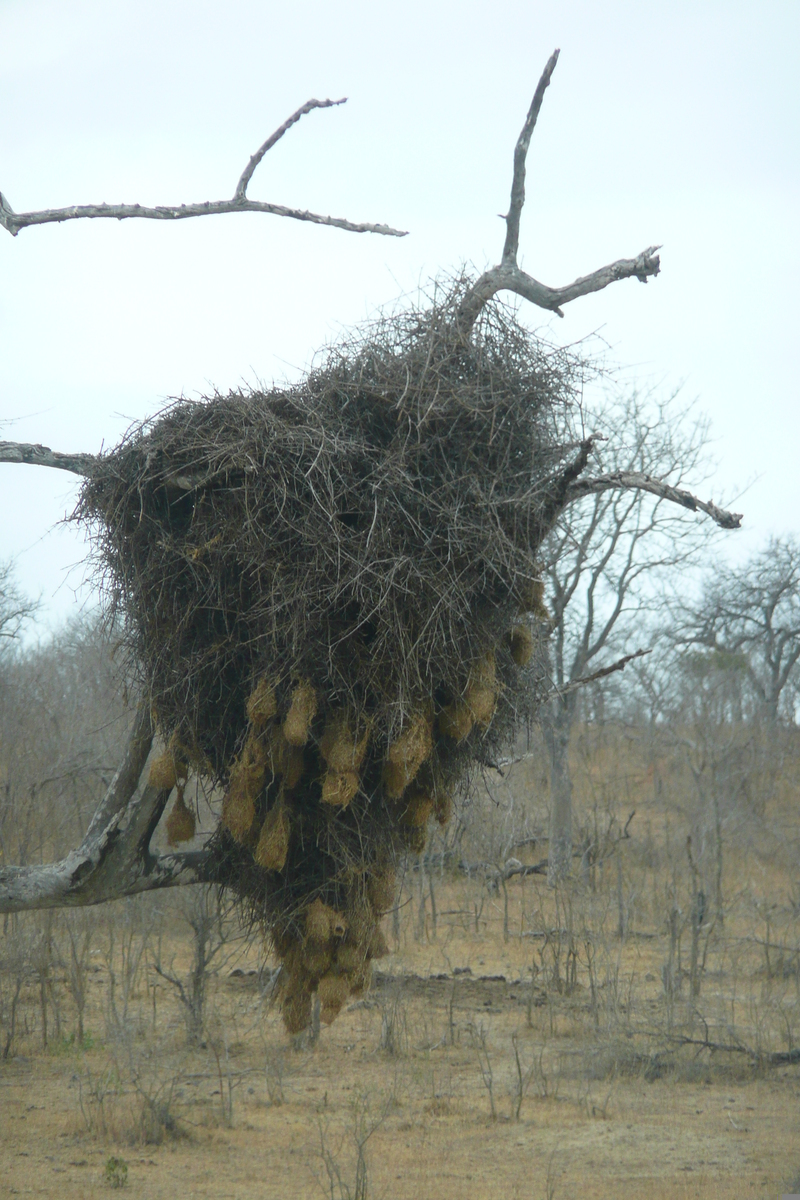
[{"x": 331, "y": 597}]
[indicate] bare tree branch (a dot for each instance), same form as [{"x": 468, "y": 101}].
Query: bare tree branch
[
  {"x": 114, "y": 858},
  {"x": 43, "y": 456},
  {"x": 13, "y": 222},
  {"x": 247, "y": 173},
  {"x": 520, "y": 155},
  {"x": 568, "y": 488},
  {"x": 15, "y": 607},
  {"x": 753, "y": 611},
  {"x": 624, "y": 480},
  {"x": 507, "y": 276},
  {"x": 619, "y": 665}
]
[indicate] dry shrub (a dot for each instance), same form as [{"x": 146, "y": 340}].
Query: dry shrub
[{"x": 318, "y": 583}]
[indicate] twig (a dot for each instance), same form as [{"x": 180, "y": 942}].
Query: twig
[
  {"x": 507, "y": 275},
  {"x": 13, "y": 221},
  {"x": 247, "y": 173},
  {"x": 619, "y": 665}
]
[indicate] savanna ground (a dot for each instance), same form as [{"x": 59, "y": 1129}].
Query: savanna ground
[{"x": 631, "y": 1034}]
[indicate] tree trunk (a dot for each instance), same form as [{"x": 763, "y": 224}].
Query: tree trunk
[{"x": 557, "y": 733}]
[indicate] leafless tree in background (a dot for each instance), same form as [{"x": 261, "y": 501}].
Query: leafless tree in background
[
  {"x": 63, "y": 727},
  {"x": 15, "y": 607},
  {"x": 606, "y": 564},
  {"x": 753, "y": 611}
]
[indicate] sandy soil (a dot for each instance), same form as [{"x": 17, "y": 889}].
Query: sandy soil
[{"x": 250, "y": 1114}]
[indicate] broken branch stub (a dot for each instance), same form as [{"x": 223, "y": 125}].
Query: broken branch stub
[{"x": 43, "y": 456}]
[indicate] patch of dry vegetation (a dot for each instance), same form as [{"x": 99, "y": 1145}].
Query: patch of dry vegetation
[{"x": 518, "y": 1039}]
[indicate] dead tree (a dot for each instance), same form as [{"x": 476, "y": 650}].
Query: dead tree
[{"x": 115, "y": 858}]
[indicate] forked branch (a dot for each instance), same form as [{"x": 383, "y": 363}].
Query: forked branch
[
  {"x": 13, "y": 222},
  {"x": 114, "y": 858},
  {"x": 507, "y": 276},
  {"x": 570, "y": 485}
]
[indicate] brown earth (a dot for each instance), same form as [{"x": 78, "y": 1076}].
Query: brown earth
[{"x": 611, "y": 1107}]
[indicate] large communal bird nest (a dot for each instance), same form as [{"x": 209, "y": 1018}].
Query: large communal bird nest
[{"x": 330, "y": 592}]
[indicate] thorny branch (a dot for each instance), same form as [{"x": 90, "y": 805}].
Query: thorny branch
[
  {"x": 508, "y": 276},
  {"x": 13, "y": 221}
]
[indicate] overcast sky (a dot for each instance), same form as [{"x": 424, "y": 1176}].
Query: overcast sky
[{"x": 672, "y": 123}]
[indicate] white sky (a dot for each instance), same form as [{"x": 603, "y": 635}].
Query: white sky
[{"x": 673, "y": 123}]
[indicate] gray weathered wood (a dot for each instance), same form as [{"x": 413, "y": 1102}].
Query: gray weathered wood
[
  {"x": 114, "y": 858},
  {"x": 42, "y": 456},
  {"x": 507, "y": 276},
  {"x": 638, "y": 481},
  {"x": 13, "y": 221}
]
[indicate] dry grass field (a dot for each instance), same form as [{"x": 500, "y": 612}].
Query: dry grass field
[
  {"x": 632, "y": 1034},
  {"x": 481, "y": 1062}
]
